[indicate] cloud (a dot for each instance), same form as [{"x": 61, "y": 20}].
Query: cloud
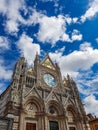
[
  {"x": 61, "y": 50},
  {"x": 12, "y": 11},
  {"x": 3, "y": 7},
  {"x": 87, "y": 82},
  {"x": 4, "y": 43},
  {"x": 51, "y": 29},
  {"x": 75, "y": 20},
  {"x": 70, "y": 20},
  {"x": 65, "y": 37},
  {"x": 96, "y": 40},
  {"x": 28, "y": 48},
  {"x": 12, "y": 26},
  {"x": 5, "y": 74},
  {"x": 82, "y": 60},
  {"x": 76, "y": 36},
  {"x": 34, "y": 17},
  {"x": 91, "y": 104},
  {"x": 91, "y": 12}
]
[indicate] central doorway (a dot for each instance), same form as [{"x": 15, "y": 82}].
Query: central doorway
[
  {"x": 54, "y": 125},
  {"x": 30, "y": 126},
  {"x": 72, "y": 128}
]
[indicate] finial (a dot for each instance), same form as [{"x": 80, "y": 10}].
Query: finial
[
  {"x": 36, "y": 52},
  {"x": 47, "y": 54},
  {"x": 68, "y": 77}
]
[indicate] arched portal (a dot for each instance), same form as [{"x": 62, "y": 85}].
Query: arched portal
[
  {"x": 71, "y": 118},
  {"x": 55, "y": 116},
  {"x": 31, "y": 115}
]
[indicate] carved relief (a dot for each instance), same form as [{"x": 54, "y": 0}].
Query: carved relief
[
  {"x": 15, "y": 96},
  {"x": 15, "y": 126},
  {"x": 31, "y": 109},
  {"x": 47, "y": 63},
  {"x": 70, "y": 116},
  {"x": 52, "y": 110}
]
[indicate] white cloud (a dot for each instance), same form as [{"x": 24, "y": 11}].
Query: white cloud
[
  {"x": 97, "y": 40},
  {"x": 28, "y": 48},
  {"x": 85, "y": 46},
  {"x": 68, "y": 20},
  {"x": 76, "y": 36},
  {"x": 3, "y": 7},
  {"x": 91, "y": 12},
  {"x": 4, "y": 43},
  {"x": 12, "y": 26},
  {"x": 34, "y": 18},
  {"x": 83, "y": 60},
  {"x": 91, "y": 104},
  {"x": 75, "y": 20},
  {"x": 4, "y": 72},
  {"x": 65, "y": 37},
  {"x": 51, "y": 29},
  {"x": 11, "y": 10},
  {"x": 87, "y": 82},
  {"x": 61, "y": 49}
]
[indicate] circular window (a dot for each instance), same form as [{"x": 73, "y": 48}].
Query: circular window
[
  {"x": 49, "y": 80},
  {"x": 52, "y": 110}
]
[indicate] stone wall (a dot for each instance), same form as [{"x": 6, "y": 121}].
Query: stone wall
[{"x": 6, "y": 124}]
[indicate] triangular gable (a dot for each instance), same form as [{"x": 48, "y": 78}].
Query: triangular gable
[
  {"x": 48, "y": 63},
  {"x": 52, "y": 97},
  {"x": 34, "y": 91}
]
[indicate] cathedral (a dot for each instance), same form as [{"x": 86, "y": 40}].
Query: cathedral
[{"x": 39, "y": 99}]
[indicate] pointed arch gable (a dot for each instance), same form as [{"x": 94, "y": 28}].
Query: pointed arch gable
[
  {"x": 72, "y": 110},
  {"x": 32, "y": 99},
  {"x": 56, "y": 105}
]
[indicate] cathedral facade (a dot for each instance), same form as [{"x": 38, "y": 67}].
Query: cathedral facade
[{"x": 39, "y": 99}]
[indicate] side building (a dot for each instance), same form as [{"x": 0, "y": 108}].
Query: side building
[
  {"x": 93, "y": 122},
  {"x": 39, "y": 99}
]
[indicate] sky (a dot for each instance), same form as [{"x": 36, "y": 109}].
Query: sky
[{"x": 66, "y": 29}]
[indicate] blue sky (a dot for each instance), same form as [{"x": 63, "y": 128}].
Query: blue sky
[{"x": 66, "y": 29}]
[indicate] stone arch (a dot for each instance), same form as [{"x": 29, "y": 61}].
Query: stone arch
[
  {"x": 32, "y": 108},
  {"x": 71, "y": 115},
  {"x": 72, "y": 110},
  {"x": 54, "y": 106},
  {"x": 36, "y": 101}
]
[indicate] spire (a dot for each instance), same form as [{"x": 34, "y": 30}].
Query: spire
[
  {"x": 68, "y": 77},
  {"x": 37, "y": 58},
  {"x": 56, "y": 64}
]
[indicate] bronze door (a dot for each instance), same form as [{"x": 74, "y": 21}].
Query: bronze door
[
  {"x": 30, "y": 126},
  {"x": 54, "y": 125},
  {"x": 72, "y": 128}
]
